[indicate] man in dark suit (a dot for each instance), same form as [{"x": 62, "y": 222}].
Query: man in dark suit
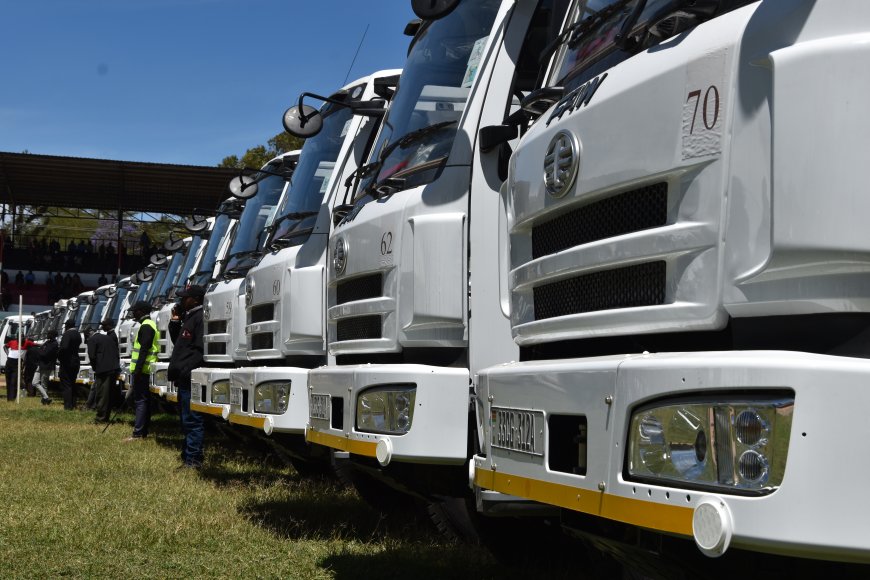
[
  {"x": 106, "y": 363},
  {"x": 186, "y": 331},
  {"x": 68, "y": 358}
]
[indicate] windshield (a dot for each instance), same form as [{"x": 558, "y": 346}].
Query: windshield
[
  {"x": 116, "y": 302},
  {"x": 79, "y": 315},
  {"x": 141, "y": 292},
  {"x": 189, "y": 262},
  {"x": 205, "y": 269},
  {"x": 95, "y": 312},
  {"x": 421, "y": 124},
  {"x": 172, "y": 270},
  {"x": 251, "y": 234},
  {"x": 589, "y": 41},
  {"x": 156, "y": 283},
  {"x": 299, "y": 208}
]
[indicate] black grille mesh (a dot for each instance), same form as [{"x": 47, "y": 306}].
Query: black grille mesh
[
  {"x": 262, "y": 313},
  {"x": 216, "y": 348},
  {"x": 216, "y": 327},
  {"x": 632, "y": 211},
  {"x": 359, "y": 327},
  {"x": 640, "y": 285},
  {"x": 261, "y": 340},
  {"x": 370, "y": 286}
]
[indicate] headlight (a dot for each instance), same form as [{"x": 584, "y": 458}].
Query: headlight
[
  {"x": 727, "y": 445},
  {"x": 220, "y": 392},
  {"x": 84, "y": 374},
  {"x": 272, "y": 397},
  {"x": 388, "y": 409},
  {"x": 160, "y": 378}
]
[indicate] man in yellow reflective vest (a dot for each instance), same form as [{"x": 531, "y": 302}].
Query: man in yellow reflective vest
[{"x": 142, "y": 361}]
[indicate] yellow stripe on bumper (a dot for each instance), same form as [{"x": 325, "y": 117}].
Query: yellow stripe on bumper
[
  {"x": 646, "y": 514},
  {"x": 172, "y": 397},
  {"x": 256, "y": 422},
  {"x": 365, "y": 448},
  {"x": 218, "y": 411},
  {"x": 155, "y": 390}
]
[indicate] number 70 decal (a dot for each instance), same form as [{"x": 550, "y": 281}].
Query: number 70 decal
[{"x": 704, "y": 105}]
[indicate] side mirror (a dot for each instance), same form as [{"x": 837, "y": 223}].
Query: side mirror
[
  {"x": 158, "y": 260},
  {"x": 111, "y": 292},
  {"x": 433, "y": 9},
  {"x": 303, "y": 122},
  {"x": 494, "y": 135},
  {"x": 243, "y": 187},
  {"x": 145, "y": 275},
  {"x": 92, "y": 299},
  {"x": 173, "y": 244},
  {"x": 195, "y": 223}
]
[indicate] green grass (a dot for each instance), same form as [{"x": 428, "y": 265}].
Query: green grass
[{"x": 82, "y": 503}]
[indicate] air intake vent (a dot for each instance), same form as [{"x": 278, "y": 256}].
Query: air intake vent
[
  {"x": 359, "y": 288},
  {"x": 216, "y": 327},
  {"x": 641, "y": 285},
  {"x": 262, "y": 313},
  {"x": 216, "y": 348},
  {"x": 261, "y": 341},
  {"x": 632, "y": 211},
  {"x": 359, "y": 328}
]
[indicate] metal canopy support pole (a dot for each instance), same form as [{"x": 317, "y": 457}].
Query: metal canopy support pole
[
  {"x": 118, "y": 245},
  {"x": 20, "y": 331}
]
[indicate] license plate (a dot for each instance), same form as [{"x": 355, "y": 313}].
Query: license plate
[
  {"x": 518, "y": 430},
  {"x": 195, "y": 391},
  {"x": 236, "y": 396},
  {"x": 318, "y": 407}
]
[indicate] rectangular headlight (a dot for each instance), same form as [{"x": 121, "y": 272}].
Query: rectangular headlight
[
  {"x": 160, "y": 379},
  {"x": 84, "y": 374},
  {"x": 220, "y": 392},
  {"x": 726, "y": 444},
  {"x": 272, "y": 397},
  {"x": 386, "y": 409}
]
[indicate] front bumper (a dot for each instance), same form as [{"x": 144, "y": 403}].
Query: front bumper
[
  {"x": 160, "y": 387},
  {"x": 200, "y": 391},
  {"x": 85, "y": 376},
  {"x": 814, "y": 513},
  {"x": 244, "y": 382},
  {"x": 439, "y": 428}
]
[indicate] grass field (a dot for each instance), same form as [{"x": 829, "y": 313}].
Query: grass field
[{"x": 82, "y": 503}]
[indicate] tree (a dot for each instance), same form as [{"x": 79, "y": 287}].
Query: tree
[{"x": 258, "y": 156}]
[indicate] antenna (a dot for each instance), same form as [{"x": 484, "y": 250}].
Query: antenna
[{"x": 355, "y": 55}]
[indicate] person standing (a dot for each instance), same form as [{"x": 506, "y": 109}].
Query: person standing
[
  {"x": 14, "y": 352},
  {"x": 142, "y": 361},
  {"x": 106, "y": 363},
  {"x": 68, "y": 358},
  {"x": 186, "y": 331},
  {"x": 47, "y": 360}
]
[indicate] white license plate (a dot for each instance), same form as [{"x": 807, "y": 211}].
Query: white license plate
[
  {"x": 318, "y": 407},
  {"x": 236, "y": 396},
  {"x": 518, "y": 430}
]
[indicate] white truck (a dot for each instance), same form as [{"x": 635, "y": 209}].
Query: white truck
[
  {"x": 687, "y": 281},
  {"x": 224, "y": 306},
  {"x": 413, "y": 309},
  {"x": 285, "y": 292}
]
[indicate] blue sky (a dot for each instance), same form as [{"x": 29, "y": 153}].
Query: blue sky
[{"x": 178, "y": 81}]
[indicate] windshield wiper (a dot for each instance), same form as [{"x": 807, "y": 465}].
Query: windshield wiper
[
  {"x": 284, "y": 241},
  {"x": 295, "y": 215},
  {"x": 574, "y": 33},
  {"x": 414, "y": 136}
]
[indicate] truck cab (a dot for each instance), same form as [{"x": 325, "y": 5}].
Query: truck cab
[
  {"x": 691, "y": 331},
  {"x": 286, "y": 292},
  {"x": 413, "y": 309},
  {"x": 225, "y": 340}
]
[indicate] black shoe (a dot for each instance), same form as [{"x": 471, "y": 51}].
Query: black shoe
[{"x": 46, "y": 401}]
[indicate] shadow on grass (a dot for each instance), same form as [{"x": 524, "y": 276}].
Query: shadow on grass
[{"x": 330, "y": 515}]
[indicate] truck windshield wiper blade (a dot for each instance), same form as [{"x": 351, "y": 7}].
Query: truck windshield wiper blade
[
  {"x": 577, "y": 31},
  {"x": 414, "y": 136},
  {"x": 296, "y": 215}
]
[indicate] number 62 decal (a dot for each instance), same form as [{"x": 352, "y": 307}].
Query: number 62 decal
[{"x": 387, "y": 243}]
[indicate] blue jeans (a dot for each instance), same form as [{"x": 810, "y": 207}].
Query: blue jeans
[
  {"x": 142, "y": 404},
  {"x": 191, "y": 426}
]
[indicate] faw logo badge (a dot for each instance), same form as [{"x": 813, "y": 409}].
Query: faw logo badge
[{"x": 561, "y": 163}]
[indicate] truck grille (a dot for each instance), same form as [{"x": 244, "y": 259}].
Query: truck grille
[
  {"x": 359, "y": 327},
  {"x": 216, "y": 327},
  {"x": 632, "y": 211},
  {"x": 216, "y": 348},
  {"x": 640, "y": 285},
  {"x": 262, "y": 313},
  {"x": 361, "y": 288},
  {"x": 261, "y": 340}
]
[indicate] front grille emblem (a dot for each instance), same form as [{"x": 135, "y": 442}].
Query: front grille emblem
[
  {"x": 561, "y": 163},
  {"x": 249, "y": 291},
  {"x": 339, "y": 256}
]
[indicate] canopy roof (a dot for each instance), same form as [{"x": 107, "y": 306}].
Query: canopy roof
[{"x": 129, "y": 186}]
